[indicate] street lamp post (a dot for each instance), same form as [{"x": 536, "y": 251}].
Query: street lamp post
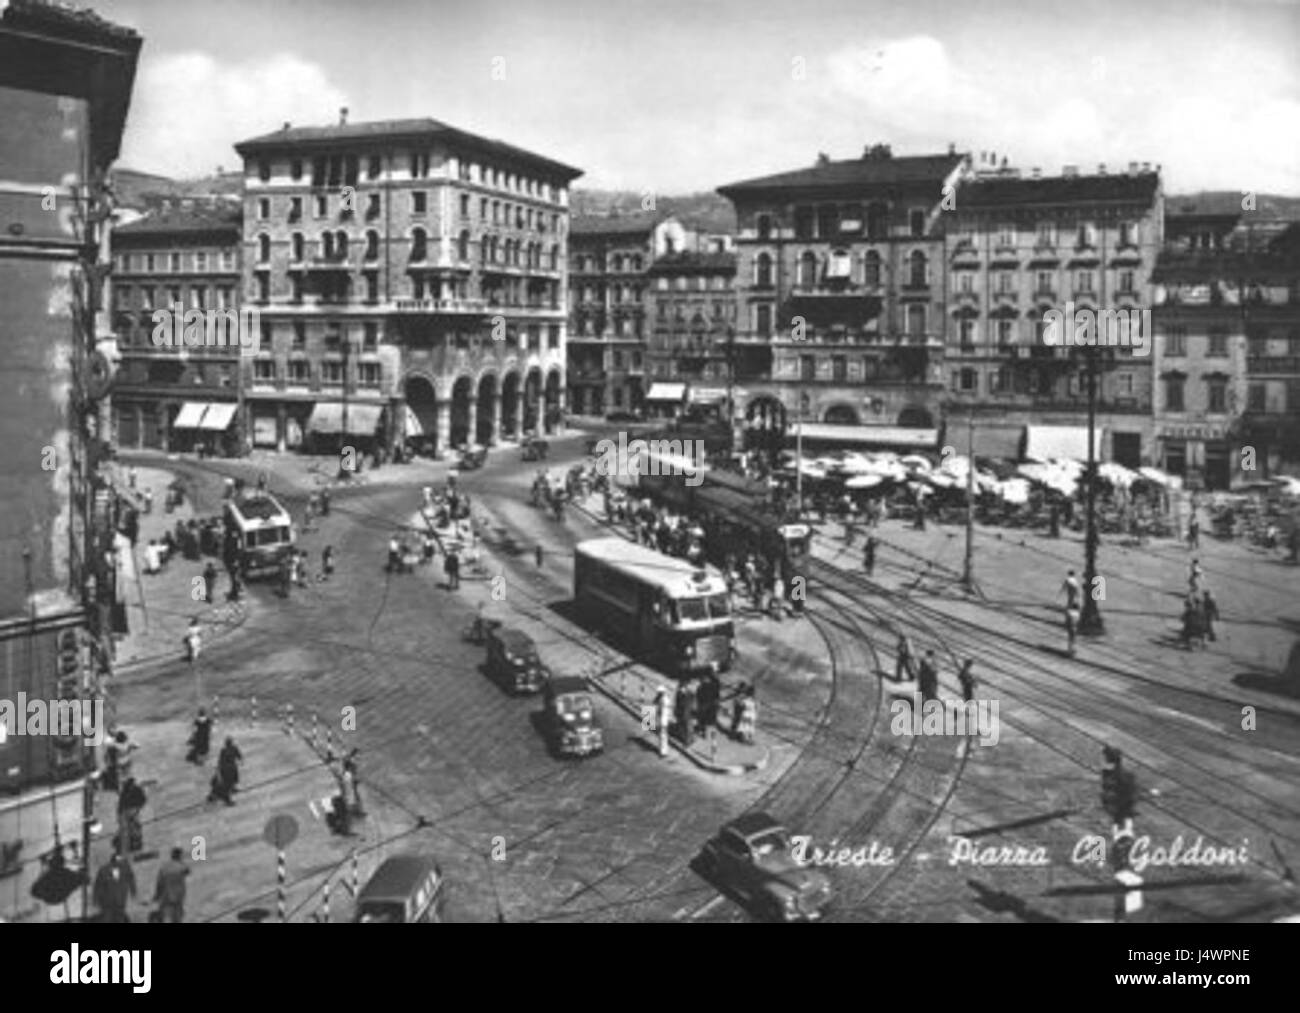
[
  {"x": 1090, "y": 621},
  {"x": 968, "y": 571}
]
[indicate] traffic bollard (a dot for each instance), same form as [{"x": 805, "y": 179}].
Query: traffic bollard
[{"x": 281, "y": 906}]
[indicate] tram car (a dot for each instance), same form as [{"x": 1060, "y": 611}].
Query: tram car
[{"x": 262, "y": 531}]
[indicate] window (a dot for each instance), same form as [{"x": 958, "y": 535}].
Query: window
[
  {"x": 419, "y": 164},
  {"x": 764, "y": 226},
  {"x": 966, "y": 330},
  {"x": 175, "y": 258},
  {"x": 299, "y": 371},
  {"x": 263, "y": 251},
  {"x": 1176, "y": 342},
  {"x": 1085, "y": 236},
  {"x": 1006, "y": 236},
  {"x": 1127, "y": 234},
  {"x": 148, "y": 262},
  {"x": 331, "y": 372},
  {"x": 496, "y": 212},
  {"x": 808, "y": 269},
  {"x": 1174, "y": 394},
  {"x": 828, "y": 221},
  {"x": 419, "y": 245},
  {"x": 462, "y": 245},
  {"x": 763, "y": 320},
  {"x": 1255, "y": 399},
  {"x": 225, "y": 297},
  {"x": 372, "y": 287},
  {"x": 1083, "y": 281},
  {"x": 263, "y": 208},
  {"x": 174, "y": 296},
  {"x": 368, "y": 374},
  {"x": 804, "y": 223},
  {"x": 295, "y": 287},
  {"x": 263, "y": 284},
  {"x": 916, "y": 222},
  {"x": 916, "y": 320},
  {"x": 464, "y": 205},
  {"x": 1043, "y": 283},
  {"x": 1006, "y": 332},
  {"x": 295, "y": 209},
  {"x": 965, "y": 281},
  {"x": 264, "y": 371},
  {"x": 297, "y": 245},
  {"x": 372, "y": 207},
  {"x": 264, "y": 170},
  {"x": 916, "y": 270},
  {"x": 372, "y": 245},
  {"x": 200, "y": 261},
  {"x": 807, "y": 367},
  {"x": 763, "y": 271},
  {"x": 419, "y": 202},
  {"x": 1217, "y": 395},
  {"x": 295, "y": 169},
  {"x": 322, "y": 206},
  {"x": 839, "y": 368},
  {"x": 1006, "y": 282},
  {"x": 1124, "y": 385},
  {"x": 1218, "y": 347},
  {"x": 871, "y": 269},
  {"x": 553, "y": 341},
  {"x": 1126, "y": 281},
  {"x": 968, "y": 381},
  {"x": 999, "y": 380},
  {"x": 1046, "y": 234},
  {"x": 299, "y": 341},
  {"x": 147, "y": 297}
]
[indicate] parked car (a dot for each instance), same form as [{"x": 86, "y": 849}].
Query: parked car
[
  {"x": 405, "y": 888},
  {"x": 513, "y": 661},
  {"x": 570, "y": 718},
  {"x": 473, "y": 458},
  {"x": 751, "y": 858},
  {"x": 533, "y": 449}
]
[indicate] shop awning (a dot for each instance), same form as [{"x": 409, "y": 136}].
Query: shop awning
[
  {"x": 1070, "y": 443},
  {"x": 218, "y": 416},
  {"x": 327, "y": 417},
  {"x": 190, "y": 415},
  {"x": 666, "y": 392},
  {"x": 708, "y": 395},
  {"x": 1002, "y": 442},
  {"x": 413, "y": 425},
  {"x": 864, "y": 436}
]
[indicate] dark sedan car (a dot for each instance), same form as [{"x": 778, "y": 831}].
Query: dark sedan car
[
  {"x": 751, "y": 858},
  {"x": 513, "y": 661}
]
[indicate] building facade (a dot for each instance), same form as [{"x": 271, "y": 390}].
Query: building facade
[
  {"x": 1018, "y": 248},
  {"x": 65, "y": 87},
  {"x": 691, "y": 352},
  {"x": 840, "y": 280},
  {"x": 179, "y": 259},
  {"x": 410, "y": 283},
  {"x": 609, "y": 256}
]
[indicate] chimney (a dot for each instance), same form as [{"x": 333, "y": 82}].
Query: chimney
[
  {"x": 1036, "y": 172},
  {"x": 343, "y": 116},
  {"x": 1132, "y": 168},
  {"x": 1101, "y": 168},
  {"x": 1146, "y": 166},
  {"x": 286, "y": 126},
  {"x": 823, "y": 158},
  {"x": 1069, "y": 170},
  {"x": 952, "y": 148}
]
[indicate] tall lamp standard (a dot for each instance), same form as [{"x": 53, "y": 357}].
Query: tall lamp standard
[{"x": 1090, "y": 621}]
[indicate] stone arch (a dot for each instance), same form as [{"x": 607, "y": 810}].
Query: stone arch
[
  {"x": 511, "y": 403},
  {"x": 841, "y": 414},
  {"x": 554, "y": 400},
  {"x": 462, "y": 390},
  {"x": 422, "y": 401},
  {"x": 916, "y": 417},
  {"x": 766, "y": 420},
  {"x": 489, "y": 412},
  {"x": 533, "y": 399}
]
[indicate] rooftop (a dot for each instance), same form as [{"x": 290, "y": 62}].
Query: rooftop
[
  {"x": 1109, "y": 189},
  {"x": 175, "y": 221},
  {"x": 877, "y": 168},
  {"x": 638, "y": 223},
  {"x": 688, "y": 262},
  {"x": 422, "y": 129}
]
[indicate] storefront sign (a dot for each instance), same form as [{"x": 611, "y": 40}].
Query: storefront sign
[{"x": 1191, "y": 432}]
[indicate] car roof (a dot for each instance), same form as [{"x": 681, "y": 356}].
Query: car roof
[
  {"x": 515, "y": 640},
  {"x": 752, "y": 824},
  {"x": 397, "y": 877},
  {"x": 568, "y": 684}
]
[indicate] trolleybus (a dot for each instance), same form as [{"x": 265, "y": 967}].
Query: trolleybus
[
  {"x": 262, "y": 530},
  {"x": 667, "y": 610}
]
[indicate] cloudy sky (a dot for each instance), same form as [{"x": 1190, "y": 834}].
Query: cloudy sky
[{"x": 680, "y": 95}]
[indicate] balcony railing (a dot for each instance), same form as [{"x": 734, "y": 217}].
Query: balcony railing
[{"x": 440, "y": 306}]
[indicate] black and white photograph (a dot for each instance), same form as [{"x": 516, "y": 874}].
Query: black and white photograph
[{"x": 683, "y": 462}]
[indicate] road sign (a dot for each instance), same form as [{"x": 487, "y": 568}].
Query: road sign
[{"x": 280, "y": 832}]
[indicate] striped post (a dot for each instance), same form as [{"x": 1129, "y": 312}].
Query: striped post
[
  {"x": 325, "y": 902},
  {"x": 216, "y": 706},
  {"x": 356, "y": 873},
  {"x": 315, "y": 735},
  {"x": 281, "y": 906},
  {"x": 329, "y": 743},
  {"x": 289, "y": 711},
  {"x": 252, "y": 711}
]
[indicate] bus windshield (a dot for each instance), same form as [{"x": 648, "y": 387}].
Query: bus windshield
[{"x": 700, "y": 610}]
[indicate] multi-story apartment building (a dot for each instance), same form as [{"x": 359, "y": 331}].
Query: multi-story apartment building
[
  {"x": 609, "y": 256},
  {"x": 183, "y": 257},
  {"x": 1017, "y": 248},
  {"x": 691, "y": 353},
  {"x": 410, "y": 280},
  {"x": 65, "y": 88},
  {"x": 840, "y": 279}
]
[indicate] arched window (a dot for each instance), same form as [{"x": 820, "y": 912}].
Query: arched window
[
  {"x": 764, "y": 226},
  {"x": 877, "y": 218},
  {"x": 916, "y": 269},
  {"x": 808, "y": 269},
  {"x": 462, "y": 245},
  {"x": 763, "y": 271},
  {"x": 871, "y": 269},
  {"x": 372, "y": 245},
  {"x": 555, "y": 258},
  {"x": 341, "y": 244},
  {"x": 298, "y": 246},
  {"x": 263, "y": 248},
  {"x": 419, "y": 244},
  {"x": 616, "y": 264},
  {"x": 327, "y": 244}
]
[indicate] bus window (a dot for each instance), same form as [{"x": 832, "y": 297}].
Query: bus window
[
  {"x": 718, "y": 606},
  {"x": 692, "y": 610}
]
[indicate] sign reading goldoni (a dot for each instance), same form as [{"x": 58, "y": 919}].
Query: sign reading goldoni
[
  {"x": 1126, "y": 328},
  {"x": 177, "y": 327},
  {"x": 633, "y": 459},
  {"x": 63, "y": 719}
]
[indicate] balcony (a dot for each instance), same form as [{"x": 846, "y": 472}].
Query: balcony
[
  {"x": 1273, "y": 364},
  {"x": 426, "y": 306},
  {"x": 1008, "y": 296},
  {"x": 329, "y": 263}
]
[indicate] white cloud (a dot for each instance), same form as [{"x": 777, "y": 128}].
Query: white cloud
[{"x": 188, "y": 109}]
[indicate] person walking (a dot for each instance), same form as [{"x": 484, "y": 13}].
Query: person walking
[
  {"x": 327, "y": 562},
  {"x": 967, "y": 680},
  {"x": 114, "y": 887},
  {"x": 663, "y": 718},
  {"x": 324, "y": 502},
  {"x": 193, "y": 640},
  {"x": 453, "y": 570},
  {"x": 744, "y": 715},
  {"x": 1209, "y": 613},
  {"x": 130, "y": 802},
  {"x": 1193, "y": 622},
  {"x": 686, "y": 699},
  {"x": 226, "y": 779},
  {"x": 869, "y": 556},
  {"x": 1073, "y": 605},
  {"x": 927, "y": 677},
  {"x": 394, "y": 554},
  {"x": 1194, "y": 532},
  {"x": 903, "y": 667},
  {"x": 1054, "y": 521},
  {"x": 200, "y": 741},
  {"x": 1195, "y": 577},
  {"x": 210, "y": 582},
  {"x": 169, "y": 890},
  {"x": 430, "y": 547},
  {"x": 352, "y": 781}
]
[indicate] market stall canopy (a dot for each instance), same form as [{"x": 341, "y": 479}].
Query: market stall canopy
[
  {"x": 868, "y": 436},
  {"x": 666, "y": 392},
  {"x": 327, "y": 417},
  {"x": 864, "y": 481},
  {"x": 218, "y": 416},
  {"x": 1069, "y": 443},
  {"x": 191, "y": 414}
]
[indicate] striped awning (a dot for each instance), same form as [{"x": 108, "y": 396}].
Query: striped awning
[
  {"x": 327, "y": 418},
  {"x": 190, "y": 415},
  {"x": 218, "y": 416}
]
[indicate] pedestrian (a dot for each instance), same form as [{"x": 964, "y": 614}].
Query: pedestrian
[
  {"x": 1194, "y": 532},
  {"x": 429, "y": 547},
  {"x": 663, "y": 717},
  {"x": 776, "y": 602},
  {"x": 1209, "y": 613},
  {"x": 686, "y": 699},
  {"x": 152, "y": 557},
  {"x": 148, "y": 501},
  {"x": 131, "y": 477},
  {"x": 169, "y": 890},
  {"x": 1193, "y": 622},
  {"x": 324, "y": 502},
  {"x": 226, "y": 779},
  {"x": 452, "y": 568},
  {"x": 927, "y": 677},
  {"x": 114, "y": 887},
  {"x": 327, "y": 562},
  {"x": 394, "y": 554},
  {"x": 352, "y": 781},
  {"x": 903, "y": 660},
  {"x": 1195, "y": 577},
  {"x": 210, "y": 582},
  {"x": 130, "y": 801},
  {"x": 869, "y": 556},
  {"x": 744, "y": 714},
  {"x": 193, "y": 640},
  {"x": 200, "y": 741},
  {"x": 298, "y": 561},
  {"x": 709, "y": 701},
  {"x": 967, "y": 680}
]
